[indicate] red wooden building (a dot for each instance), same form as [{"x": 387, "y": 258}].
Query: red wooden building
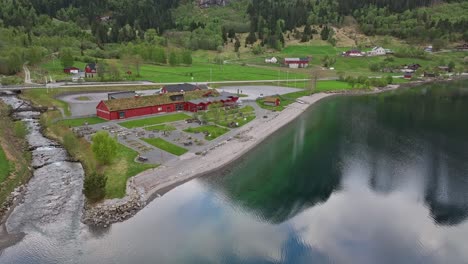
[
  {"x": 71, "y": 70},
  {"x": 271, "y": 101},
  {"x": 90, "y": 69},
  {"x": 163, "y": 103}
]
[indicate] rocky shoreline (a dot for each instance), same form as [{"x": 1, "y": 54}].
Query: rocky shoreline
[
  {"x": 15, "y": 197},
  {"x": 114, "y": 210}
]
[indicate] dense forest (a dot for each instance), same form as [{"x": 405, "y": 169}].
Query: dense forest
[{"x": 150, "y": 30}]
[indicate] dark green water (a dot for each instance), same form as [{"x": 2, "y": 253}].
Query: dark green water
[{"x": 364, "y": 179}]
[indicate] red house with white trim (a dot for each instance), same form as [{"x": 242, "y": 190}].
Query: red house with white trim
[
  {"x": 164, "y": 103},
  {"x": 297, "y": 62},
  {"x": 90, "y": 69}
]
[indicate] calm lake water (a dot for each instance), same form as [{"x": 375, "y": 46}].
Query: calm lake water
[{"x": 364, "y": 179}]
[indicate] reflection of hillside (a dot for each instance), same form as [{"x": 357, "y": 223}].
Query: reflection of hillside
[
  {"x": 420, "y": 130},
  {"x": 291, "y": 172}
]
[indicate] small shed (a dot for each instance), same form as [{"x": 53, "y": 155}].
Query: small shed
[{"x": 271, "y": 101}]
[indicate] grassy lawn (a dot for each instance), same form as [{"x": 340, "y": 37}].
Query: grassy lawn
[
  {"x": 55, "y": 69},
  {"x": 46, "y": 97},
  {"x": 241, "y": 116},
  {"x": 83, "y": 98},
  {"x": 161, "y": 128},
  {"x": 166, "y": 146},
  {"x": 122, "y": 169},
  {"x": 323, "y": 86},
  {"x": 214, "y": 131},
  {"x": 206, "y": 72},
  {"x": 155, "y": 120},
  {"x": 286, "y": 99},
  {"x": 4, "y": 166},
  {"x": 80, "y": 121},
  {"x": 310, "y": 50}
]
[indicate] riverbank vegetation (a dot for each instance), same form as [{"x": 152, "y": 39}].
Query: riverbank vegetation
[
  {"x": 14, "y": 157},
  {"x": 116, "y": 172}
]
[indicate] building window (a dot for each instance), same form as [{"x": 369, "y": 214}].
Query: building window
[
  {"x": 121, "y": 114},
  {"x": 159, "y": 108}
]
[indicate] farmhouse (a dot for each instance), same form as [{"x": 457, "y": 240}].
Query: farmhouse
[
  {"x": 377, "y": 51},
  {"x": 163, "y": 103},
  {"x": 180, "y": 88},
  {"x": 295, "y": 63},
  {"x": 90, "y": 69},
  {"x": 271, "y": 101},
  {"x": 353, "y": 53},
  {"x": 71, "y": 70}
]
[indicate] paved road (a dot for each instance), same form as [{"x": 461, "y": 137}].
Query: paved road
[{"x": 84, "y": 86}]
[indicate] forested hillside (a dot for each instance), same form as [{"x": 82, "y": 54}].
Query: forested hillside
[{"x": 151, "y": 30}]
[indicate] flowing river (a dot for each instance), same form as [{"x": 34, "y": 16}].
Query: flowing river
[{"x": 361, "y": 179}]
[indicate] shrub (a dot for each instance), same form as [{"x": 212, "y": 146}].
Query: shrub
[
  {"x": 104, "y": 147},
  {"x": 257, "y": 49},
  {"x": 20, "y": 129},
  {"x": 95, "y": 187}
]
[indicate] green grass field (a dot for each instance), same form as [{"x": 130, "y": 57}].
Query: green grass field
[
  {"x": 206, "y": 72},
  {"x": 160, "y": 128},
  {"x": 81, "y": 121},
  {"x": 166, "y": 146},
  {"x": 124, "y": 167},
  {"x": 155, "y": 120},
  {"x": 303, "y": 51},
  {"x": 214, "y": 131},
  {"x": 46, "y": 97},
  {"x": 55, "y": 69},
  {"x": 4, "y": 166}
]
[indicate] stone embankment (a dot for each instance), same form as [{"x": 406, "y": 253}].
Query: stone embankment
[{"x": 115, "y": 210}]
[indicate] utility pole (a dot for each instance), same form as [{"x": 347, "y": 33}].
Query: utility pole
[{"x": 313, "y": 83}]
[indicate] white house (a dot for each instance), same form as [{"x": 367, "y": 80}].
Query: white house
[
  {"x": 377, "y": 51},
  {"x": 272, "y": 60}
]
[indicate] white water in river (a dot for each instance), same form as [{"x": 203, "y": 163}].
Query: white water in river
[{"x": 53, "y": 201}]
